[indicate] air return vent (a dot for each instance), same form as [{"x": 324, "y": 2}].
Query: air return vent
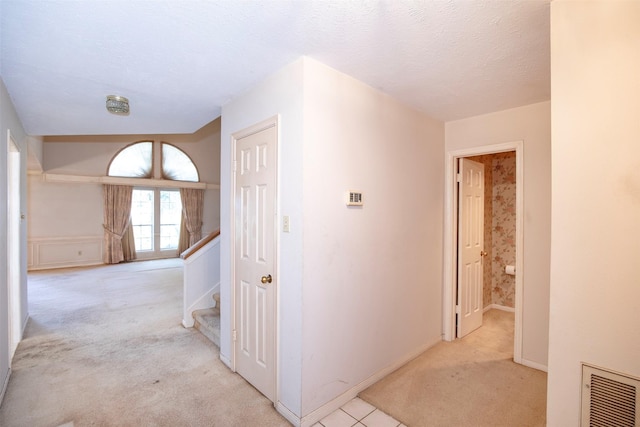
[{"x": 609, "y": 399}]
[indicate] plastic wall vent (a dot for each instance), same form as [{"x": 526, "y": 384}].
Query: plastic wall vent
[
  {"x": 609, "y": 399},
  {"x": 354, "y": 198}
]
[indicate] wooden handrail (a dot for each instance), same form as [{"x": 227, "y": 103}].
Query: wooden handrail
[{"x": 199, "y": 244}]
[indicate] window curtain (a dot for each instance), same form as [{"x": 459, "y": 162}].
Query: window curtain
[
  {"x": 129, "y": 243},
  {"x": 117, "y": 214},
  {"x": 191, "y": 228}
]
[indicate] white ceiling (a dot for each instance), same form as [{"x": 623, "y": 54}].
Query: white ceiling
[{"x": 179, "y": 61}]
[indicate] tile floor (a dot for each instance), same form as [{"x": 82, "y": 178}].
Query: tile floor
[{"x": 358, "y": 413}]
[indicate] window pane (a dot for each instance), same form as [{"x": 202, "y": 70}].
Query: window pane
[
  {"x": 134, "y": 161},
  {"x": 170, "y": 215},
  {"x": 142, "y": 212},
  {"x": 177, "y": 165}
]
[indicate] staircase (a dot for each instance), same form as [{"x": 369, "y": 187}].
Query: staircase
[
  {"x": 201, "y": 282},
  {"x": 207, "y": 321}
]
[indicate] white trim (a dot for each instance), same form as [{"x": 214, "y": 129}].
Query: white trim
[
  {"x": 5, "y": 385},
  {"x": 449, "y": 273},
  {"x": 235, "y": 136},
  {"x": 14, "y": 243},
  {"x": 290, "y": 416},
  {"x": 226, "y": 361},
  {"x": 135, "y": 182},
  {"x": 66, "y": 249},
  {"x": 499, "y": 307},
  {"x": 534, "y": 365},
  {"x": 203, "y": 302},
  {"x": 341, "y": 400}
]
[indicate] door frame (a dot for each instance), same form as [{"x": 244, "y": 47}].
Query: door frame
[
  {"x": 14, "y": 245},
  {"x": 450, "y": 238},
  {"x": 258, "y": 127}
]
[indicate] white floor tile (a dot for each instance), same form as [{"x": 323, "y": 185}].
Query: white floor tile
[
  {"x": 379, "y": 419},
  {"x": 338, "y": 418},
  {"x": 358, "y": 408}
]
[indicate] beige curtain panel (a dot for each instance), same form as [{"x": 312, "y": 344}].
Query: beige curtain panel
[
  {"x": 129, "y": 243},
  {"x": 192, "y": 207},
  {"x": 117, "y": 212}
]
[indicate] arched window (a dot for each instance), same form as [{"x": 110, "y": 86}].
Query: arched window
[
  {"x": 177, "y": 165},
  {"x": 155, "y": 212},
  {"x": 133, "y": 161},
  {"x": 136, "y": 161}
]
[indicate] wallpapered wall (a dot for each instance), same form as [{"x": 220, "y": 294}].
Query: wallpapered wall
[{"x": 499, "y": 226}]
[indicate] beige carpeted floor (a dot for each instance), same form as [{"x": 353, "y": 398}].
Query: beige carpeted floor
[
  {"x": 105, "y": 347},
  {"x": 469, "y": 382}
]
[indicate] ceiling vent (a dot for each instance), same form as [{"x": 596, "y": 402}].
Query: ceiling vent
[{"x": 609, "y": 399}]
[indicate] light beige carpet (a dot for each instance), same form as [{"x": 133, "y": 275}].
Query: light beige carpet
[
  {"x": 105, "y": 347},
  {"x": 469, "y": 382}
]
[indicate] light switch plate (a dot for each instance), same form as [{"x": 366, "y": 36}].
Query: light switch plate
[{"x": 286, "y": 226}]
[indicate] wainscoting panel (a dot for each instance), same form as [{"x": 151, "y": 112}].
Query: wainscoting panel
[{"x": 59, "y": 252}]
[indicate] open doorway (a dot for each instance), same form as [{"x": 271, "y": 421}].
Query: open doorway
[
  {"x": 14, "y": 218},
  {"x": 451, "y": 243}
]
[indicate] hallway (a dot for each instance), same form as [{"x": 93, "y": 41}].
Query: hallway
[{"x": 471, "y": 381}]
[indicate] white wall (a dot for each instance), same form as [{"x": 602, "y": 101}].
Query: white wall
[
  {"x": 65, "y": 219},
  {"x": 35, "y": 150},
  {"x": 9, "y": 121},
  {"x": 281, "y": 94},
  {"x": 373, "y": 275},
  {"x": 360, "y": 289},
  {"x": 530, "y": 124},
  {"x": 595, "y": 285}
]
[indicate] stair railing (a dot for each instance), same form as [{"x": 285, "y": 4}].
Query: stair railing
[
  {"x": 201, "y": 276},
  {"x": 199, "y": 244}
]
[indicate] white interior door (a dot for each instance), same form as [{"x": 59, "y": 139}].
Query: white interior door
[
  {"x": 471, "y": 251},
  {"x": 13, "y": 245},
  {"x": 255, "y": 281}
]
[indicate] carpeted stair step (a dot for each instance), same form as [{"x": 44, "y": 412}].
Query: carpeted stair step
[{"x": 207, "y": 321}]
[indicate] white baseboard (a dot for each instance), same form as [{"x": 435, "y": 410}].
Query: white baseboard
[
  {"x": 341, "y": 400},
  {"x": 24, "y": 325},
  {"x": 499, "y": 307},
  {"x": 4, "y": 386},
  {"x": 290, "y": 416},
  {"x": 226, "y": 361},
  {"x": 205, "y": 301},
  {"x": 534, "y": 365}
]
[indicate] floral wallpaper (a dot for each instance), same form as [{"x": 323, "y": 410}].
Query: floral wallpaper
[
  {"x": 499, "y": 227},
  {"x": 503, "y": 224}
]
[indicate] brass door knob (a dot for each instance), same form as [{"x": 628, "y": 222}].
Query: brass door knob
[
  {"x": 483, "y": 253},
  {"x": 266, "y": 279}
]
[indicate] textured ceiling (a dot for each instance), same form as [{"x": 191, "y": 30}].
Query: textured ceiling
[{"x": 179, "y": 61}]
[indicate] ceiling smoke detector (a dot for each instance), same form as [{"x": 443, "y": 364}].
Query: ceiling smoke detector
[{"x": 117, "y": 104}]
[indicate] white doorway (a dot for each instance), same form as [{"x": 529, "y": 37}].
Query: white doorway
[
  {"x": 451, "y": 238},
  {"x": 254, "y": 274},
  {"x": 14, "y": 219}
]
